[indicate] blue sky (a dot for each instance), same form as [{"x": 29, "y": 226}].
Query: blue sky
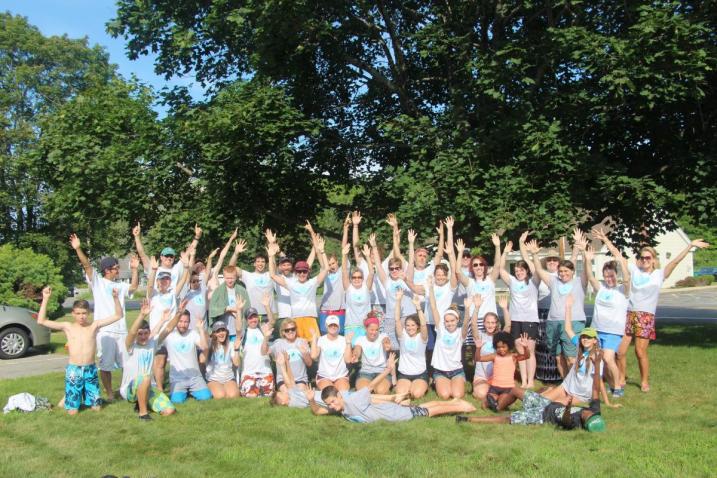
[{"x": 87, "y": 18}]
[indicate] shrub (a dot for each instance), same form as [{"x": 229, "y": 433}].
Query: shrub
[
  {"x": 23, "y": 274},
  {"x": 695, "y": 281}
]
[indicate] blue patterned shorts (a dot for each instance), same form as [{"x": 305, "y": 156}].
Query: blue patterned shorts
[
  {"x": 532, "y": 412},
  {"x": 82, "y": 387}
]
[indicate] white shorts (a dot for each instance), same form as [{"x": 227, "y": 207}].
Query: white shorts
[{"x": 111, "y": 350}]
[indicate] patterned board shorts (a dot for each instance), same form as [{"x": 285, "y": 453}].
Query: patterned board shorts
[
  {"x": 419, "y": 411},
  {"x": 82, "y": 386},
  {"x": 157, "y": 401},
  {"x": 532, "y": 412},
  {"x": 640, "y": 324},
  {"x": 257, "y": 385}
]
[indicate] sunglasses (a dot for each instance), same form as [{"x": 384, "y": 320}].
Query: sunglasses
[
  {"x": 477, "y": 264},
  {"x": 645, "y": 258},
  {"x": 302, "y": 272},
  {"x": 357, "y": 277},
  {"x": 394, "y": 268},
  {"x": 293, "y": 329}
]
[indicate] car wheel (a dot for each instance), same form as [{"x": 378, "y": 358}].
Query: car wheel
[{"x": 14, "y": 343}]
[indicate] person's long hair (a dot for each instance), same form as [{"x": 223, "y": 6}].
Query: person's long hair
[
  {"x": 215, "y": 344},
  {"x": 581, "y": 351}
]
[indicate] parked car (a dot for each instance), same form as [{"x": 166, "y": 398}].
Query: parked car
[
  {"x": 19, "y": 331},
  {"x": 706, "y": 271}
]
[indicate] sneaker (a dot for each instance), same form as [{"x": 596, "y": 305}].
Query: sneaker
[
  {"x": 145, "y": 417},
  {"x": 618, "y": 392},
  {"x": 461, "y": 418}
]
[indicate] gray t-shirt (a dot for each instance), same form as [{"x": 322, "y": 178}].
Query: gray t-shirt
[
  {"x": 297, "y": 398},
  {"x": 358, "y": 408},
  {"x": 333, "y": 298},
  {"x": 296, "y": 362},
  {"x": 559, "y": 291},
  {"x": 258, "y": 283}
]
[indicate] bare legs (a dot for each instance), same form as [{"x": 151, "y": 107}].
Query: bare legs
[
  {"x": 527, "y": 367},
  {"x": 412, "y": 388}
]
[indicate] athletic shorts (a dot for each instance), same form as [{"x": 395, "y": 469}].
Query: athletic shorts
[
  {"x": 499, "y": 390},
  {"x": 519, "y": 328},
  {"x": 449, "y": 375},
  {"x": 368, "y": 375},
  {"x": 421, "y": 376},
  {"x": 304, "y": 326},
  {"x": 157, "y": 401},
  {"x": 609, "y": 341},
  {"x": 194, "y": 386},
  {"x": 558, "y": 342},
  {"x": 111, "y": 350},
  {"x": 532, "y": 413},
  {"x": 640, "y": 324},
  {"x": 419, "y": 412},
  {"x": 259, "y": 385},
  {"x": 82, "y": 387}
]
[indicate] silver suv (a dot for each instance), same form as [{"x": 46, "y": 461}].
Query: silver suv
[{"x": 19, "y": 331}]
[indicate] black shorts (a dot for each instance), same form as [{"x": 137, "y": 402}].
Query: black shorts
[
  {"x": 519, "y": 328},
  {"x": 421, "y": 376},
  {"x": 499, "y": 390}
]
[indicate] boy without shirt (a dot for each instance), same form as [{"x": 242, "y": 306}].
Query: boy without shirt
[{"x": 81, "y": 381}]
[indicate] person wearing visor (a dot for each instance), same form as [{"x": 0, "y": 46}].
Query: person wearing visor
[{"x": 111, "y": 349}]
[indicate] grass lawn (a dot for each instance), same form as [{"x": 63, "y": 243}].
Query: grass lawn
[{"x": 672, "y": 431}]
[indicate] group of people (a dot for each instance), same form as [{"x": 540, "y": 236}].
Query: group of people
[{"x": 388, "y": 326}]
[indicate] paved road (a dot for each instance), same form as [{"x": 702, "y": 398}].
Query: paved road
[{"x": 679, "y": 306}]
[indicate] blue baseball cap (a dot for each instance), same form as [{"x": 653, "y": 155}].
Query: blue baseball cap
[{"x": 168, "y": 251}]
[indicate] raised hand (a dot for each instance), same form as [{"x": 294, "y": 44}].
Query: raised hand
[
  {"x": 523, "y": 237},
  {"x": 700, "y": 244},
  {"x": 46, "y": 292},
  {"x": 366, "y": 251},
  {"x": 272, "y": 249},
  {"x": 347, "y": 221},
  {"x": 133, "y": 261},
  {"x": 270, "y": 236},
  {"x": 416, "y": 299},
  {"x": 197, "y": 231},
  {"x": 399, "y": 295},
  {"x": 309, "y": 228},
  {"x": 309, "y": 392},
  {"x": 589, "y": 254},
  {"x": 372, "y": 239},
  {"x": 145, "y": 308},
  {"x": 200, "y": 323},
  {"x": 411, "y": 236},
  {"x": 320, "y": 244},
  {"x": 502, "y": 301},
  {"x": 212, "y": 254},
  {"x": 349, "y": 337},
  {"x": 495, "y": 239},
  {"x": 240, "y": 303},
  {"x": 153, "y": 263},
  {"x": 429, "y": 281},
  {"x": 579, "y": 238},
  {"x": 137, "y": 230},
  {"x": 356, "y": 218},
  {"x": 391, "y": 361},
  {"x": 346, "y": 249},
  {"x": 439, "y": 228},
  {"x": 599, "y": 234},
  {"x": 267, "y": 330},
  {"x": 240, "y": 246},
  {"x": 523, "y": 340},
  {"x": 314, "y": 336},
  {"x": 508, "y": 247},
  {"x": 467, "y": 302},
  {"x": 166, "y": 314},
  {"x": 303, "y": 348},
  {"x": 75, "y": 241},
  {"x": 392, "y": 221},
  {"x": 183, "y": 305},
  {"x": 386, "y": 342},
  {"x": 449, "y": 221},
  {"x": 532, "y": 246},
  {"x": 115, "y": 293},
  {"x": 477, "y": 301},
  {"x": 460, "y": 246}
]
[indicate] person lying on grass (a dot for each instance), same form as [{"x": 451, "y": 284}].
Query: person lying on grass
[
  {"x": 81, "y": 381},
  {"x": 142, "y": 343},
  {"x": 296, "y": 395},
  {"x": 360, "y": 407},
  {"x": 538, "y": 409}
]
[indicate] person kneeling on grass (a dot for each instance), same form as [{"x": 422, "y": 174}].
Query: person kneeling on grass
[
  {"x": 361, "y": 407},
  {"x": 184, "y": 375},
  {"x": 538, "y": 409},
  {"x": 81, "y": 381},
  {"x": 142, "y": 343}
]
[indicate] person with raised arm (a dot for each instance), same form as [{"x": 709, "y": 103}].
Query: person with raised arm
[
  {"x": 285, "y": 267},
  {"x": 610, "y": 312},
  {"x": 361, "y": 407},
  {"x": 167, "y": 256},
  {"x": 302, "y": 288},
  {"x": 111, "y": 350},
  {"x": 332, "y": 301},
  {"x": 164, "y": 297},
  {"x": 257, "y": 283},
  {"x": 142, "y": 343},
  {"x": 491, "y": 326},
  {"x": 364, "y": 262},
  {"x": 564, "y": 285},
  {"x": 413, "y": 339},
  {"x": 223, "y": 356},
  {"x": 298, "y": 355},
  {"x": 357, "y": 295},
  {"x": 504, "y": 361},
  {"x": 646, "y": 282},
  {"x": 223, "y": 297},
  {"x": 418, "y": 266},
  {"x": 81, "y": 382},
  {"x": 333, "y": 351},
  {"x": 523, "y": 308},
  {"x": 185, "y": 377},
  {"x": 393, "y": 282},
  {"x": 257, "y": 378},
  {"x": 448, "y": 375},
  {"x": 371, "y": 350}
]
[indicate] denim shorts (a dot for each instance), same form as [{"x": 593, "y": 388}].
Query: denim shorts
[
  {"x": 421, "y": 376},
  {"x": 449, "y": 375}
]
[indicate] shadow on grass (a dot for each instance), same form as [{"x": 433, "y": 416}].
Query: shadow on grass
[{"x": 695, "y": 335}]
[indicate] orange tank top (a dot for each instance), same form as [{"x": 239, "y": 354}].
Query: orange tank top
[{"x": 503, "y": 371}]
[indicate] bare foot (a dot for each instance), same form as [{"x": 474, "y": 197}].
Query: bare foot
[
  {"x": 467, "y": 407},
  {"x": 645, "y": 387}
]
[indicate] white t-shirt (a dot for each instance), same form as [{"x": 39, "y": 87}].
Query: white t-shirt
[
  {"x": 523, "y": 300},
  {"x": 645, "y": 289},
  {"x": 220, "y": 367},
  {"x": 159, "y": 303},
  {"x": 331, "y": 360},
  {"x": 254, "y": 362},
  {"x": 486, "y": 289},
  {"x": 420, "y": 276},
  {"x": 407, "y": 307},
  {"x": 610, "y": 310},
  {"x": 444, "y": 298},
  {"x": 138, "y": 363},
  {"x": 559, "y": 292},
  {"x": 358, "y": 305},
  {"x": 413, "y": 354},
  {"x": 256, "y": 284},
  {"x": 485, "y": 369},
  {"x": 104, "y": 302},
  {"x": 580, "y": 383},
  {"x": 182, "y": 355},
  {"x": 196, "y": 305},
  {"x": 544, "y": 293},
  {"x": 283, "y": 300},
  {"x": 460, "y": 293},
  {"x": 333, "y": 298},
  {"x": 447, "y": 351},
  {"x": 378, "y": 291},
  {"x": 303, "y": 297},
  {"x": 176, "y": 271},
  {"x": 373, "y": 358}
]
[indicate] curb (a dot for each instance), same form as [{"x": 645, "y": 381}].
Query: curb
[{"x": 687, "y": 289}]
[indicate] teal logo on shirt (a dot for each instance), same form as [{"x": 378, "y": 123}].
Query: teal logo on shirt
[
  {"x": 395, "y": 287},
  {"x": 481, "y": 288},
  {"x": 199, "y": 299},
  {"x": 166, "y": 300},
  {"x": 448, "y": 340},
  {"x": 261, "y": 281},
  {"x": 605, "y": 296},
  {"x": 333, "y": 353},
  {"x": 371, "y": 351},
  {"x": 519, "y": 287},
  {"x": 438, "y": 292},
  {"x": 639, "y": 280},
  {"x": 301, "y": 289},
  {"x": 254, "y": 339},
  {"x": 360, "y": 298},
  {"x": 411, "y": 344},
  {"x": 294, "y": 355},
  {"x": 564, "y": 289},
  {"x": 183, "y": 346},
  {"x": 333, "y": 276}
]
